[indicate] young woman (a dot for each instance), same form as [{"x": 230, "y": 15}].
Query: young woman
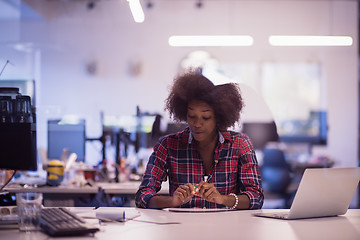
[{"x": 207, "y": 166}]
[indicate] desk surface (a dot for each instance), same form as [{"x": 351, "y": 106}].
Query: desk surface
[
  {"x": 217, "y": 225},
  {"x": 129, "y": 188}
]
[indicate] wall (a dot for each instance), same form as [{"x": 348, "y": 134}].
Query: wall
[{"x": 69, "y": 36}]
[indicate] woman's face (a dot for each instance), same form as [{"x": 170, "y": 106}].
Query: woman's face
[{"x": 201, "y": 120}]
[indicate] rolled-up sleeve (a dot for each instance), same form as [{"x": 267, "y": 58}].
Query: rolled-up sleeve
[
  {"x": 250, "y": 179},
  {"x": 155, "y": 174}
]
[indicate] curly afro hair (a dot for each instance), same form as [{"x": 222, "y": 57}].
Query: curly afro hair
[{"x": 225, "y": 99}]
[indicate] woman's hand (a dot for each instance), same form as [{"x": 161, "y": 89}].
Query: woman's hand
[
  {"x": 209, "y": 192},
  {"x": 183, "y": 194}
]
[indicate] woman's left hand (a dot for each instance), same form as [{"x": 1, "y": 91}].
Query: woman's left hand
[{"x": 209, "y": 192}]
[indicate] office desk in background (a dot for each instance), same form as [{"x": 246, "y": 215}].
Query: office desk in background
[
  {"x": 216, "y": 225},
  {"x": 67, "y": 196}
]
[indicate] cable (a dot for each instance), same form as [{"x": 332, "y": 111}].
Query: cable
[{"x": 7, "y": 182}]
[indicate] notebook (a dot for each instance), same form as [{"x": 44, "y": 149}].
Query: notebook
[{"x": 323, "y": 192}]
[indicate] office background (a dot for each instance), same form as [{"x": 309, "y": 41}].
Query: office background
[{"x": 88, "y": 57}]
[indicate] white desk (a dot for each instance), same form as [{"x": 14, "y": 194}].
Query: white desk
[
  {"x": 125, "y": 188},
  {"x": 220, "y": 225},
  {"x": 57, "y": 190},
  {"x": 128, "y": 188},
  {"x": 65, "y": 195}
]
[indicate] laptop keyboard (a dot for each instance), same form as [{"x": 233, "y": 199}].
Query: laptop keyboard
[
  {"x": 61, "y": 222},
  {"x": 280, "y": 215}
]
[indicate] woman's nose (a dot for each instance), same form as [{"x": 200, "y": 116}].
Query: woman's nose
[{"x": 197, "y": 122}]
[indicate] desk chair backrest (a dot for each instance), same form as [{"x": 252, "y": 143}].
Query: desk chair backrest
[{"x": 275, "y": 171}]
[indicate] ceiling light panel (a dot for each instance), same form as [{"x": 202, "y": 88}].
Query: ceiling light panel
[
  {"x": 210, "y": 40},
  {"x": 278, "y": 40}
]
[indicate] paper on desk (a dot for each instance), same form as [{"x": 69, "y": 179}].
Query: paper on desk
[
  {"x": 88, "y": 211},
  {"x": 117, "y": 214},
  {"x": 70, "y": 161}
]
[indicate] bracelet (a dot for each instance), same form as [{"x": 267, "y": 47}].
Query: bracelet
[{"x": 236, "y": 200}]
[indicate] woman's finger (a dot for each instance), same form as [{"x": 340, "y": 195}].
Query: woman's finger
[{"x": 203, "y": 187}]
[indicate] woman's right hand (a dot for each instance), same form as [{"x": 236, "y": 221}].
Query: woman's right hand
[{"x": 183, "y": 194}]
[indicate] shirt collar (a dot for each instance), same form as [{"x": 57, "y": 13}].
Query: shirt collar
[{"x": 221, "y": 137}]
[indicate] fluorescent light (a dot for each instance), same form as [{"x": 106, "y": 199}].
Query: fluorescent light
[
  {"x": 136, "y": 11},
  {"x": 207, "y": 40},
  {"x": 310, "y": 40}
]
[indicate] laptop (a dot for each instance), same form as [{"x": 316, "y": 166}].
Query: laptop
[{"x": 323, "y": 192}]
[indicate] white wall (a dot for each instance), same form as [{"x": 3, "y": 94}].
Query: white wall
[{"x": 70, "y": 36}]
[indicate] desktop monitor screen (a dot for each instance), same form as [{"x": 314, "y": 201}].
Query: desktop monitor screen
[
  {"x": 312, "y": 130},
  {"x": 260, "y": 133},
  {"x": 66, "y": 136},
  {"x": 18, "y": 146}
]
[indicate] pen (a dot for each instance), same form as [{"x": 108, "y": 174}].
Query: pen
[
  {"x": 123, "y": 216},
  {"x": 207, "y": 178}
]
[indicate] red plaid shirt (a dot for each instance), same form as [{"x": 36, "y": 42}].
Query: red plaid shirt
[{"x": 176, "y": 158}]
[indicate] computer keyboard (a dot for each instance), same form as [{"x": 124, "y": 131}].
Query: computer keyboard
[{"x": 61, "y": 222}]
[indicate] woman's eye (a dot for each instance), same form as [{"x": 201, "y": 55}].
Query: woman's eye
[{"x": 204, "y": 118}]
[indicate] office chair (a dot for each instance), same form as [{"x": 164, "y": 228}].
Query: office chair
[{"x": 276, "y": 173}]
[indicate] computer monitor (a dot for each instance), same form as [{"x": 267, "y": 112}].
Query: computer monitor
[
  {"x": 18, "y": 146},
  {"x": 17, "y": 129},
  {"x": 260, "y": 133},
  {"x": 70, "y": 136},
  {"x": 312, "y": 130}
]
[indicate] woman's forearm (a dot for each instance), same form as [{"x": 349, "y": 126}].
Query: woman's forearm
[
  {"x": 160, "y": 202},
  {"x": 243, "y": 201}
]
